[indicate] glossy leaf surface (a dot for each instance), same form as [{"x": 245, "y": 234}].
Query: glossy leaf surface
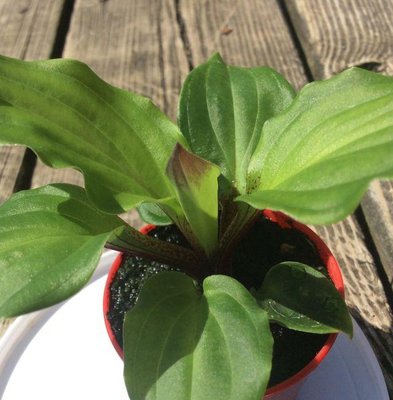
[
  {"x": 223, "y": 108},
  {"x": 302, "y": 298},
  {"x": 196, "y": 184},
  {"x": 315, "y": 161},
  {"x": 51, "y": 240},
  {"x": 183, "y": 344},
  {"x": 71, "y": 118}
]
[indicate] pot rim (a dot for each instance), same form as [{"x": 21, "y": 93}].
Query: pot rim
[{"x": 284, "y": 222}]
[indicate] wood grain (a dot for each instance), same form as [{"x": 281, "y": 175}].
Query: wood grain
[
  {"x": 335, "y": 35},
  {"x": 339, "y": 34},
  {"x": 378, "y": 211},
  {"x": 251, "y": 35},
  {"x": 27, "y": 31},
  {"x": 134, "y": 45}
]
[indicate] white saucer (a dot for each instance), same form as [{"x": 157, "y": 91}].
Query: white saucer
[{"x": 64, "y": 353}]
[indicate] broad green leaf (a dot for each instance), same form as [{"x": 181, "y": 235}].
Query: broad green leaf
[
  {"x": 71, "y": 118},
  {"x": 196, "y": 185},
  {"x": 51, "y": 240},
  {"x": 316, "y": 159},
  {"x": 223, "y": 108},
  {"x": 182, "y": 344},
  {"x": 151, "y": 213},
  {"x": 302, "y": 298}
]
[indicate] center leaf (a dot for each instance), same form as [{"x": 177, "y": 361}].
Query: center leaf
[
  {"x": 222, "y": 110},
  {"x": 181, "y": 343}
]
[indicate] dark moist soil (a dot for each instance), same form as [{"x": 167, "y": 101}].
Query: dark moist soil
[{"x": 265, "y": 245}]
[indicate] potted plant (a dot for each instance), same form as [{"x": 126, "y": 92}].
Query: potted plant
[{"x": 245, "y": 142}]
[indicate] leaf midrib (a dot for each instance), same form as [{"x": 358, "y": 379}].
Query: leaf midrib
[
  {"x": 170, "y": 330},
  {"x": 223, "y": 152},
  {"x": 153, "y": 160},
  {"x": 248, "y": 151},
  {"x": 73, "y": 111},
  {"x": 42, "y": 271},
  {"x": 48, "y": 239},
  {"x": 333, "y": 160},
  {"x": 317, "y": 159},
  {"x": 146, "y": 319},
  {"x": 297, "y": 105}
]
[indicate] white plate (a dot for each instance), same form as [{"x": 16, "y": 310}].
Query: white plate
[{"x": 64, "y": 353}]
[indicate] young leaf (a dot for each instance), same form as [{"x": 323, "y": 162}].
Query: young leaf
[
  {"x": 222, "y": 110},
  {"x": 51, "y": 242},
  {"x": 70, "y": 117},
  {"x": 302, "y": 298},
  {"x": 182, "y": 344},
  {"x": 196, "y": 186},
  {"x": 315, "y": 160}
]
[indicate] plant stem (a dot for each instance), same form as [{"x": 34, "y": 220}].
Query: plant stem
[
  {"x": 241, "y": 220},
  {"x": 131, "y": 241}
]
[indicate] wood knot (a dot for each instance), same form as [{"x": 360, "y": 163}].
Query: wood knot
[{"x": 226, "y": 30}]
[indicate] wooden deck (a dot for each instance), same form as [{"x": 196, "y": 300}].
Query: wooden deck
[{"x": 149, "y": 46}]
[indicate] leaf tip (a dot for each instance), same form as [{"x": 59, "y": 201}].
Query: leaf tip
[
  {"x": 185, "y": 165},
  {"x": 216, "y": 56}
]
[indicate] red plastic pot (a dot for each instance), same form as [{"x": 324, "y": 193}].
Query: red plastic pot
[
  {"x": 288, "y": 389},
  {"x": 107, "y": 293}
]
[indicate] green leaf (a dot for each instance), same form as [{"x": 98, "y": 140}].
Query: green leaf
[
  {"x": 151, "y": 213},
  {"x": 50, "y": 243},
  {"x": 316, "y": 159},
  {"x": 71, "y": 118},
  {"x": 223, "y": 108},
  {"x": 183, "y": 344},
  {"x": 302, "y": 298},
  {"x": 196, "y": 184}
]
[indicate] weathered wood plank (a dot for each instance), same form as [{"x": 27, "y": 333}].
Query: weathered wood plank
[
  {"x": 336, "y": 35},
  {"x": 377, "y": 206},
  {"x": 246, "y": 34},
  {"x": 339, "y": 34},
  {"x": 135, "y": 45},
  {"x": 361, "y": 34},
  {"x": 28, "y": 31}
]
